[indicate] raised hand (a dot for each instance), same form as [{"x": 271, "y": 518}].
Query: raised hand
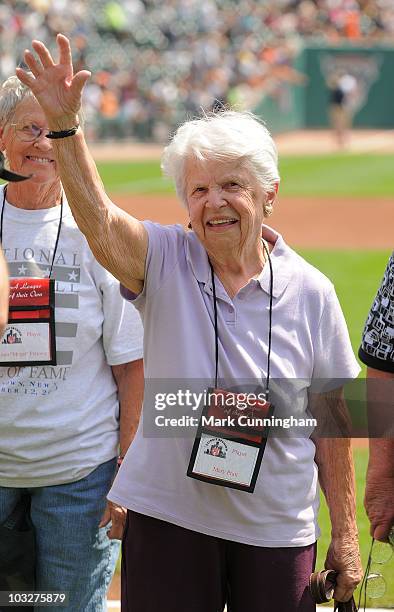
[{"x": 55, "y": 86}]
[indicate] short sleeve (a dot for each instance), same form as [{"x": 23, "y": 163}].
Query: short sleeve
[
  {"x": 377, "y": 346},
  {"x": 122, "y": 325},
  {"x": 334, "y": 360},
  {"x": 165, "y": 243}
]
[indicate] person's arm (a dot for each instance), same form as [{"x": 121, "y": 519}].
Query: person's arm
[
  {"x": 129, "y": 378},
  {"x": 4, "y": 293},
  {"x": 334, "y": 460},
  {"x": 118, "y": 241},
  {"x": 379, "y": 491}
]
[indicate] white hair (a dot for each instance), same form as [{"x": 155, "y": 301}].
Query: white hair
[
  {"x": 228, "y": 136},
  {"x": 12, "y": 93}
]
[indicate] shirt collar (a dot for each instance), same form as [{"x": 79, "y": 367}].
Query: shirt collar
[{"x": 197, "y": 258}]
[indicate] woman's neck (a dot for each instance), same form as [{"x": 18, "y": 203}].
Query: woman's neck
[
  {"x": 34, "y": 197},
  {"x": 236, "y": 270}
]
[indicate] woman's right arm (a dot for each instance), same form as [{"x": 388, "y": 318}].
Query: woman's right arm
[{"x": 118, "y": 241}]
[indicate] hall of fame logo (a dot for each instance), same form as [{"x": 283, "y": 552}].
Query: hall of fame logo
[
  {"x": 216, "y": 447},
  {"x": 12, "y": 335}
]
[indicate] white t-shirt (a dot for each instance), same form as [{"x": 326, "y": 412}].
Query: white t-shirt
[
  {"x": 57, "y": 423},
  {"x": 310, "y": 351}
]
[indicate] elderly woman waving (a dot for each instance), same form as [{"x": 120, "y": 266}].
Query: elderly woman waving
[{"x": 228, "y": 300}]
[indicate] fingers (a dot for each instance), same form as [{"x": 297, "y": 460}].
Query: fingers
[
  {"x": 63, "y": 44},
  {"x": 381, "y": 532},
  {"x": 32, "y": 62},
  {"x": 346, "y": 584},
  {"x": 116, "y": 531},
  {"x": 118, "y": 517},
  {"x": 43, "y": 53},
  {"x": 25, "y": 78},
  {"x": 105, "y": 519},
  {"x": 80, "y": 79},
  {"x": 343, "y": 593}
]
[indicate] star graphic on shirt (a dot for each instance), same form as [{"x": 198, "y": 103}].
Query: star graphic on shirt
[
  {"x": 46, "y": 272},
  {"x": 22, "y": 269},
  {"x": 72, "y": 276}
]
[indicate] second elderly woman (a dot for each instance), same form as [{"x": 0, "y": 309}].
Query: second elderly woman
[
  {"x": 70, "y": 355},
  {"x": 227, "y": 301}
]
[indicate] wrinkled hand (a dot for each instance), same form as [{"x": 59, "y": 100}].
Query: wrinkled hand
[
  {"x": 379, "y": 504},
  {"x": 55, "y": 86},
  {"x": 116, "y": 514},
  {"x": 344, "y": 556}
]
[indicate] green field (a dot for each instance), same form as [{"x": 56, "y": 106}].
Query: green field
[
  {"x": 319, "y": 175},
  {"x": 355, "y": 274}
]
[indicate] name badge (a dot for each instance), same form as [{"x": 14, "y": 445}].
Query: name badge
[
  {"x": 231, "y": 438},
  {"x": 29, "y": 337}
]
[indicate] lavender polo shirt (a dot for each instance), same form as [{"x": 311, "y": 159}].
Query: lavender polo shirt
[{"x": 310, "y": 342}]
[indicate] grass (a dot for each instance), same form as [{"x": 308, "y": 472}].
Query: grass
[
  {"x": 356, "y": 276},
  {"x": 356, "y": 175},
  {"x": 340, "y": 174}
]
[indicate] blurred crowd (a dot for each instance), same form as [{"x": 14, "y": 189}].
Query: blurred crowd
[{"x": 155, "y": 62}]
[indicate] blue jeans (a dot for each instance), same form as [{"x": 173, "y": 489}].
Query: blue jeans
[{"x": 73, "y": 554}]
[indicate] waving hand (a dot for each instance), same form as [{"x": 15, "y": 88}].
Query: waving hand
[{"x": 54, "y": 85}]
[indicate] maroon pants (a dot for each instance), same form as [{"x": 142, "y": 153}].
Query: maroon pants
[{"x": 166, "y": 568}]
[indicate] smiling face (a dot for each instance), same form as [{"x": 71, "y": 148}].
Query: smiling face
[
  {"x": 225, "y": 205},
  {"x": 29, "y": 158}
]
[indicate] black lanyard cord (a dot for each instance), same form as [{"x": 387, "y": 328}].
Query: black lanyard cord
[
  {"x": 269, "y": 320},
  {"x": 215, "y": 311},
  {"x": 58, "y": 229},
  {"x": 269, "y": 324}
]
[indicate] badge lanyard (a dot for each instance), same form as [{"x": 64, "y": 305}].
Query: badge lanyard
[
  {"x": 30, "y": 338},
  {"x": 269, "y": 323},
  {"x": 233, "y": 428}
]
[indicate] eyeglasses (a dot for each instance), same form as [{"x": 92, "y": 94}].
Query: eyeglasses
[
  {"x": 29, "y": 132},
  {"x": 373, "y": 583}
]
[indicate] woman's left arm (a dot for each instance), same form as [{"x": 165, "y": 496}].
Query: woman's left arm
[
  {"x": 334, "y": 459},
  {"x": 129, "y": 378}
]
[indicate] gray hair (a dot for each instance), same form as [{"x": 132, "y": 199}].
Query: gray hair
[
  {"x": 12, "y": 93},
  {"x": 228, "y": 136}
]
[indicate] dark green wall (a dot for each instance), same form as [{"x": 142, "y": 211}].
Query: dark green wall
[
  {"x": 373, "y": 69},
  {"x": 297, "y": 106},
  {"x": 284, "y": 109}
]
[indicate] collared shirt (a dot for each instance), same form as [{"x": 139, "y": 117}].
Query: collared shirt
[{"x": 310, "y": 351}]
